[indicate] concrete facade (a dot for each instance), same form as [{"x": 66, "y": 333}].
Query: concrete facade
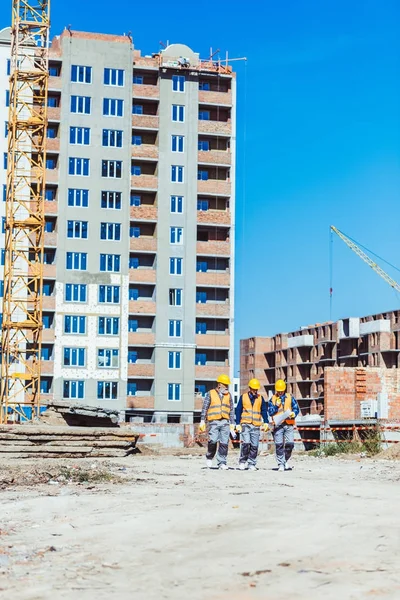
[
  {"x": 156, "y": 347},
  {"x": 301, "y": 357}
]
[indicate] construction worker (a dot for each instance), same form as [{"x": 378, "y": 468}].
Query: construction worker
[
  {"x": 251, "y": 414},
  {"x": 219, "y": 412},
  {"x": 280, "y": 403}
]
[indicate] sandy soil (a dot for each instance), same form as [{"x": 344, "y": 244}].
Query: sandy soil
[{"x": 169, "y": 528}]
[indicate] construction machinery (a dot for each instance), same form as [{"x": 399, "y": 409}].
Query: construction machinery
[
  {"x": 353, "y": 246},
  {"x": 25, "y": 224}
]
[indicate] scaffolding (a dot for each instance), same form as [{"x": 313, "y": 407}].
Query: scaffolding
[{"x": 24, "y": 225}]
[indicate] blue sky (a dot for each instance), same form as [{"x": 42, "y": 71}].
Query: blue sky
[{"x": 318, "y": 141}]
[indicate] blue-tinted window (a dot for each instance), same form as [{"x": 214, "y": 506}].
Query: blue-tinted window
[
  {"x": 201, "y": 358},
  {"x": 74, "y": 357},
  {"x": 79, "y": 166},
  {"x": 75, "y": 292},
  {"x": 108, "y": 325},
  {"x": 109, "y": 294},
  {"x": 78, "y": 197},
  {"x": 76, "y": 261},
  {"x": 175, "y": 328},
  {"x": 81, "y": 105},
  {"x": 132, "y": 356},
  {"x": 204, "y": 145},
  {"x": 134, "y": 232},
  {"x": 175, "y": 266},
  {"x": 201, "y": 327},
  {"x": 136, "y": 170},
  {"x": 202, "y": 266},
  {"x": 178, "y": 83},
  {"x": 112, "y": 138},
  {"x": 74, "y": 324},
  {"x": 202, "y": 205},
  {"x": 133, "y": 262},
  {"x": 81, "y": 74},
  {"x": 131, "y": 388},
  {"x": 132, "y": 324},
  {"x": 135, "y": 200},
  {"x": 113, "y": 107},
  {"x": 202, "y": 174},
  {"x": 111, "y": 200},
  {"x": 133, "y": 293},
  {"x": 136, "y": 140},
  {"x": 51, "y": 133},
  {"x": 204, "y": 115},
  {"x": 137, "y": 79},
  {"x": 110, "y": 263},
  {"x": 74, "y": 390},
  {"x": 137, "y": 109},
  {"x": 178, "y": 113},
  {"x": 79, "y": 135},
  {"x": 114, "y": 77},
  {"x": 174, "y": 392},
  {"x": 201, "y": 297}
]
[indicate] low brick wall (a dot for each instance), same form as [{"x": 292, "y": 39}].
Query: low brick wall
[{"x": 346, "y": 388}]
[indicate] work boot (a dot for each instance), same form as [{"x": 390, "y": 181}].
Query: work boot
[
  {"x": 223, "y": 467},
  {"x": 281, "y": 468},
  {"x": 209, "y": 463},
  {"x": 242, "y": 466},
  {"x": 253, "y": 468},
  {"x": 288, "y": 468}
]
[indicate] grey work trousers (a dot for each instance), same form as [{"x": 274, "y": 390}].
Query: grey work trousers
[
  {"x": 284, "y": 443},
  {"x": 218, "y": 431},
  {"x": 250, "y": 438}
]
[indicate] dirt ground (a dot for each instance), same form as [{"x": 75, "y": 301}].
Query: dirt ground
[{"x": 166, "y": 527}]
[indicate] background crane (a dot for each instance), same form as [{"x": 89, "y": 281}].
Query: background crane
[
  {"x": 24, "y": 235},
  {"x": 353, "y": 246}
]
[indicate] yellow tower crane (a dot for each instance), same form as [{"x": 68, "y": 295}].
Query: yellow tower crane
[
  {"x": 24, "y": 235},
  {"x": 353, "y": 246}
]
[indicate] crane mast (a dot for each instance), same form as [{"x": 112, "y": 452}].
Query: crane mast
[
  {"x": 353, "y": 246},
  {"x": 24, "y": 226}
]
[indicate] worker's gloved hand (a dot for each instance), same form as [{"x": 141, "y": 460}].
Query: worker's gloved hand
[
  {"x": 292, "y": 415},
  {"x": 232, "y": 429},
  {"x": 279, "y": 402},
  {"x": 265, "y": 427},
  {"x": 239, "y": 428},
  {"x": 202, "y": 427}
]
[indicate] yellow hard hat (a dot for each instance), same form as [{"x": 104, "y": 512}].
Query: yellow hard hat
[
  {"x": 224, "y": 379},
  {"x": 254, "y": 384},
  {"x": 280, "y": 385}
]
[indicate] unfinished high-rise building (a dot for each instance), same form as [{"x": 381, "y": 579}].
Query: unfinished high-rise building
[
  {"x": 140, "y": 197},
  {"x": 300, "y": 357}
]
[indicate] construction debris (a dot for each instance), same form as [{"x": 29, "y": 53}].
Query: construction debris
[
  {"x": 82, "y": 415},
  {"x": 26, "y": 441}
]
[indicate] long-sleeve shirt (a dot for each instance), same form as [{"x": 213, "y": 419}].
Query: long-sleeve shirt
[
  {"x": 272, "y": 409},
  {"x": 239, "y": 408},
  {"x": 206, "y": 406}
]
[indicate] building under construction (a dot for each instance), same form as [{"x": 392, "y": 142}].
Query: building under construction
[
  {"x": 137, "y": 279},
  {"x": 304, "y": 357}
]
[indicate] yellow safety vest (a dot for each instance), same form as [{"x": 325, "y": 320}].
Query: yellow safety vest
[
  {"x": 286, "y": 405},
  {"x": 219, "y": 409},
  {"x": 251, "y": 412}
]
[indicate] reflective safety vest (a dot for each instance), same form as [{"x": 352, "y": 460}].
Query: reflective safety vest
[
  {"x": 251, "y": 412},
  {"x": 286, "y": 405},
  {"x": 219, "y": 409}
]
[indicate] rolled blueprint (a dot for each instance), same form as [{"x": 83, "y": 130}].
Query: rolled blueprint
[{"x": 280, "y": 417}]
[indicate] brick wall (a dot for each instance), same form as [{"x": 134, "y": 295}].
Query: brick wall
[{"x": 346, "y": 388}]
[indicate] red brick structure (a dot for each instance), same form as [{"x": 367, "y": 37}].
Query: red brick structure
[
  {"x": 301, "y": 357},
  {"x": 346, "y": 388}
]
